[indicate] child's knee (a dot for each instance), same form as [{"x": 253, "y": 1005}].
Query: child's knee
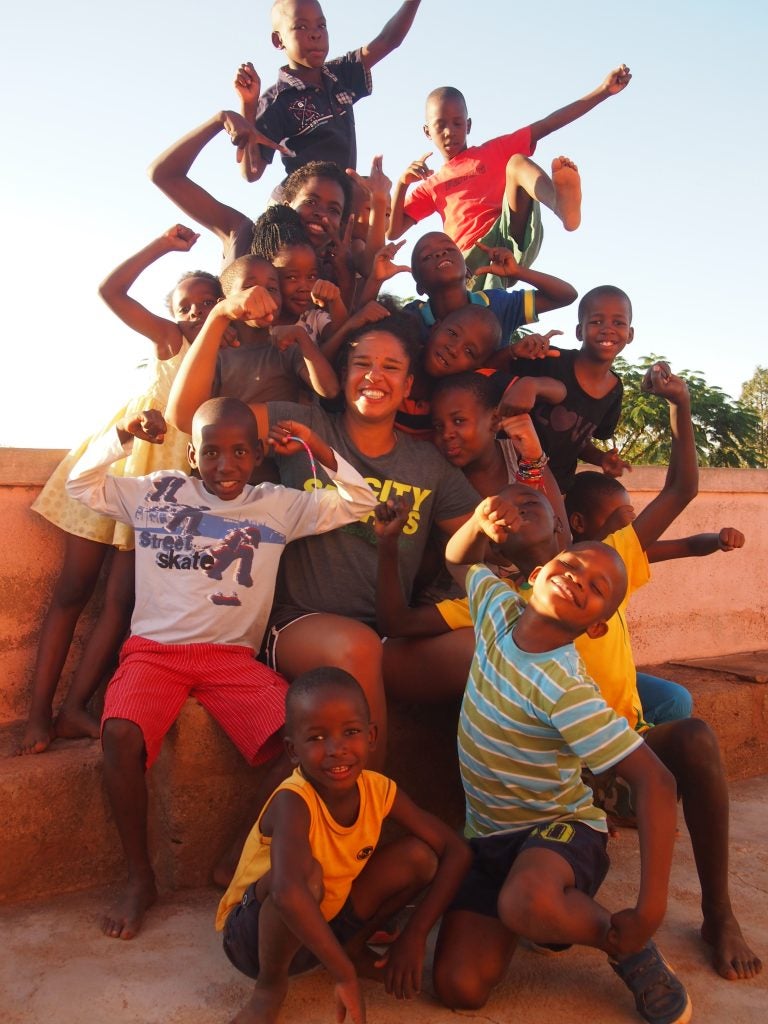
[
  {"x": 459, "y": 985},
  {"x": 698, "y": 746},
  {"x": 359, "y": 652},
  {"x": 422, "y": 859},
  {"x": 516, "y": 163},
  {"x": 119, "y": 736}
]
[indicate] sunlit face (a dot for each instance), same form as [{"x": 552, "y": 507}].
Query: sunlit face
[
  {"x": 302, "y": 32},
  {"x": 225, "y": 453},
  {"x": 296, "y": 267},
  {"x": 460, "y": 341},
  {"x": 191, "y": 302},
  {"x": 378, "y": 376},
  {"x": 331, "y": 737},
  {"x": 447, "y": 125},
  {"x": 536, "y": 524},
  {"x": 320, "y": 204},
  {"x": 362, "y": 213},
  {"x": 437, "y": 261},
  {"x": 605, "y": 328},
  {"x": 259, "y": 272},
  {"x": 464, "y": 428},
  {"x": 580, "y": 587}
]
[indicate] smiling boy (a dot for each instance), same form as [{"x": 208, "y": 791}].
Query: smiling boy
[{"x": 207, "y": 552}]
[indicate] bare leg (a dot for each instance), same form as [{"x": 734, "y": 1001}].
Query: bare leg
[
  {"x": 428, "y": 670},
  {"x": 277, "y": 947},
  {"x": 77, "y": 579},
  {"x": 279, "y": 769},
  {"x": 472, "y": 955},
  {"x": 100, "y": 652},
  {"x": 690, "y": 750},
  {"x": 124, "y": 760},
  {"x": 561, "y": 193},
  {"x": 343, "y": 643}
]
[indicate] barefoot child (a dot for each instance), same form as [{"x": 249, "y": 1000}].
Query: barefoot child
[
  {"x": 88, "y": 537},
  {"x": 207, "y": 553},
  {"x": 490, "y": 194},
  {"x": 314, "y": 881},
  {"x": 530, "y": 716}
]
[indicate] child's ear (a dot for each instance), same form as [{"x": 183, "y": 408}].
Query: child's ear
[
  {"x": 576, "y": 521},
  {"x": 534, "y": 574},
  {"x": 578, "y": 332},
  {"x": 425, "y": 129},
  {"x": 258, "y": 453},
  {"x": 596, "y": 630},
  {"x": 277, "y": 42},
  {"x": 191, "y": 456},
  {"x": 290, "y": 750},
  {"x": 469, "y": 125},
  {"x": 373, "y": 735},
  {"x": 631, "y": 335},
  {"x": 495, "y": 420}
]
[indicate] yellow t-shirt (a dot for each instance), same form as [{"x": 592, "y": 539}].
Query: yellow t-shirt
[
  {"x": 609, "y": 659},
  {"x": 343, "y": 851}
]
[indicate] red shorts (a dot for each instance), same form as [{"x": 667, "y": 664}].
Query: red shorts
[{"x": 153, "y": 680}]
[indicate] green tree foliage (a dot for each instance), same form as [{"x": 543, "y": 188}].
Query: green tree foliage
[
  {"x": 754, "y": 394},
  {"x": 727, "y": 431}
]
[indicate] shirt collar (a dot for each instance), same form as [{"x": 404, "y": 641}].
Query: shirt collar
[{"x": 287, "y": 80}]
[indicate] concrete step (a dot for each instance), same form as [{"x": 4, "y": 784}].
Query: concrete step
[{"x": 58, "y": 835}]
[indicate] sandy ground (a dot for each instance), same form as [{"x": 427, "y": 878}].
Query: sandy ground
[{"x": 56, "y": 966}]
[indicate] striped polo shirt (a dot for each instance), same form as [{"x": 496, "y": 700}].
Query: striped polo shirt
[{"x": 527, "y": 723}]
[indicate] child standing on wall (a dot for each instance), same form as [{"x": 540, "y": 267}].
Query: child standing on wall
[
  {"x": 490, "y": 194},
  {"x": 88, "y": 537}
]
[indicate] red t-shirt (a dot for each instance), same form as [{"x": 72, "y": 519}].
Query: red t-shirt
[{"x": 468, "y": 190}]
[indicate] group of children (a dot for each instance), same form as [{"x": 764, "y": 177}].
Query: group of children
[{"x": 318, "y": 419}]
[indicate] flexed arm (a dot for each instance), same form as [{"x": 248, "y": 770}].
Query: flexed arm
[{"x": 616, "y": 81}]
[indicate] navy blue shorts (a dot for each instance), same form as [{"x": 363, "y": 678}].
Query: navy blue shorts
[
  {"x": 241, "y": 935},
  {"x": 493, "y": 856}
]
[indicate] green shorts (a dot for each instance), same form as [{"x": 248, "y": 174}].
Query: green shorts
[{"x": 500, "y": 234}]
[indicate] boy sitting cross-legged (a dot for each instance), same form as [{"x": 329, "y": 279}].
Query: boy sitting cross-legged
[
  {"x": 313, "y": 882},
  {"x": 530, "y": 716},
  {"x": 207, "y": 553}
]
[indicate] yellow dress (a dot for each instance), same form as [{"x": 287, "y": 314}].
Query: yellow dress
[{"x": 53, "y": 502}]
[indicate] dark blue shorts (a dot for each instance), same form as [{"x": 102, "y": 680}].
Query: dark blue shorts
[
  {"x": 241, "y": 935},
  {"x": 493, "y": 856}
]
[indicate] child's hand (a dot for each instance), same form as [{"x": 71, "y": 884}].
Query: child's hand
[
  {"x": 617, "y": 80},
  {"x": 730, "y": 538},
  {"x": 254, "y": 305},
  {"x": 618, "y": 519},
  {"x": 371, "y": 313},
  {"x": 349, "y": 1000},
  {"x": 497, "y": 517},
  {"x": 285, "y": 335},
  {"x": 535, "y": 346},
  {"x": 403, "y": 964},
  {"x": 325, "y": 293},
  {"x": 378, "y": 183},
  {"x": 280, "y": 441},
  {"x": 337, "y": 247},
  {"x": 612, "y": 463},
  {"x": 180, "y": 238},
  {"x": 229, "y": 338},
  {"x": 417, "y": 170},
  {"x": 629, "y": 932},
  {"x": 247, "y": 84},
  {"x": 383, "y": 267},
  {"x": 390, "y": 516},
  {"x": 245, "y": 136},
  {"x": 522, "y": 433},
  {"x": 146, "y": 426},
  {"x": 501, "y": 261},
  {"x": 660, "y": 380}
]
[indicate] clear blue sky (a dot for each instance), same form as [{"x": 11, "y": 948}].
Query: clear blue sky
[{"x": 673, "y": 212}]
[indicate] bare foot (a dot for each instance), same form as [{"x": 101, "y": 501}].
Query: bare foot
[
  {"x": 124, "y": 920},
  {"x": 731, "y": 956},
  {"x": 264, "y": 1005},
  {"x": 567, "y": 186},
  {"x": 72, "y": 723},
  {"x": 36, "y": 737}
]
